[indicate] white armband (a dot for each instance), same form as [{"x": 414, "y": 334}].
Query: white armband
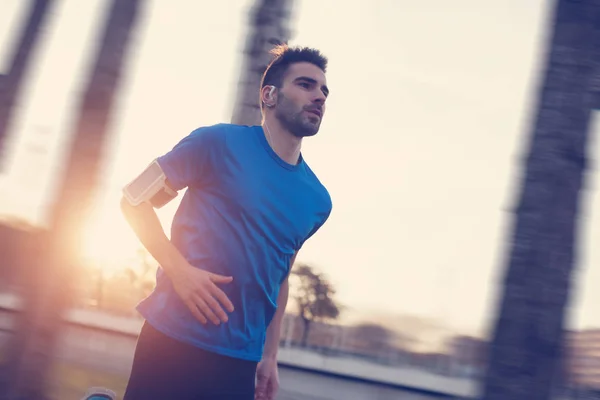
[{"x": 149, "y": 187}]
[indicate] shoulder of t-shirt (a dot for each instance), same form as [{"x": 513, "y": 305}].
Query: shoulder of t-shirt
[
  {"x": 320, "y": 186},
  {"x": 217, "y": 133}
]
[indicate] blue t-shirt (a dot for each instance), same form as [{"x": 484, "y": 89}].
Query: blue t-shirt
[{"x": 244, "y": 214}]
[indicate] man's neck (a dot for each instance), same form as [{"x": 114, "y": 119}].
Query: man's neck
[{"x": 283, "y": 143}]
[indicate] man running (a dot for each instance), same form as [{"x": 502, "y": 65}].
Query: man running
[{"x": 212, "y": 324}]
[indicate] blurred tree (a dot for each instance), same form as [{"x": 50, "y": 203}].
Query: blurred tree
[
  {"x": 314, "y": 297},
  {"x": 269, "y": 27},
  {"x": 140, "y": 274},
  {"x": 376, "y": 339},
  {"x": 12, "y": 82},
  {"x": 524, "y": 357},
  {"x": 47, "y": 297}
]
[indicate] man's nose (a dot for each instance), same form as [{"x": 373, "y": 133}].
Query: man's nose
[{"x": 319, "y": 99}]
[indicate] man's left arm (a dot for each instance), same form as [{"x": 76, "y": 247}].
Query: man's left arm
[
  {"x": 274, "y": 329},
  {"x": 267, "y": 383}
]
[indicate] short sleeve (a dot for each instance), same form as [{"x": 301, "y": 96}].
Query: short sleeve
[
  {"x": 192, "y": 160},
  {"x": 324, "y": 218}
]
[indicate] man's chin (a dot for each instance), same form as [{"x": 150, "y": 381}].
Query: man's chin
[
  {"x": 306, "y": 133},
  {"x": 310, "y": 129},
  {"x": 304, "y": 128}
]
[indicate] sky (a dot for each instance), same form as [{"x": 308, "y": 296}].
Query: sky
[{"x": 420, "y": 147}]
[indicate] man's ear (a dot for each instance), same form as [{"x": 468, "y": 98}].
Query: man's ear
[{"x": 269, "y": 95}]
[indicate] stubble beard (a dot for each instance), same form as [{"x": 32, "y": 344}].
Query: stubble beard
[{"x": 294, "y": 119}]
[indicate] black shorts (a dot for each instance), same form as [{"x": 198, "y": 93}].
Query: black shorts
[{"x": 167, "y": 369}]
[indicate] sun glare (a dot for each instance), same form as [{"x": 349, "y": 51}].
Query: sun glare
[{"x": 108, "y": 242}]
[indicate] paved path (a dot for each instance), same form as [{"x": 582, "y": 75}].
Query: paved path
[{"x": 304, "y": 375}]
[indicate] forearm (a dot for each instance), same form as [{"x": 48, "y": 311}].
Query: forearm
[
  {"x": 274, "y": 329},
  {"x": 146, "y": 225}
]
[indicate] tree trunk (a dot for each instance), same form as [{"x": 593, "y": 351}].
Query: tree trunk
[
  {"x": 48, "y": 296},
  {"x": 269, "y": 27},
  {"x": 306, "y": 322},
  {"x": 527, "y": 343},
  {"x": 10, "y": 84}
]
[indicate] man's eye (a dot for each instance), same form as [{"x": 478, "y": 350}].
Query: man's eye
[{"x": 304, "y": 85}]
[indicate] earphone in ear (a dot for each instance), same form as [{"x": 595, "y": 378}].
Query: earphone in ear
[{"x": 270, "y": 96}]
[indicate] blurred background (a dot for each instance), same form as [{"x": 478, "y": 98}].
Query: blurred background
[{"x": 422, "y": 150}]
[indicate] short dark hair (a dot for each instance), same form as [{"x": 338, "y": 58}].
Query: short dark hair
[{"x": 284, "y": 56}]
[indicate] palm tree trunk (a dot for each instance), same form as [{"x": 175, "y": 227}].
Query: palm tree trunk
[
  {"x": 305, "y": 332},
  {"x": 49, "y": 296},
  {"x": 10, "y": 84},
  {"x": 269, "y": 27},
  {"x": 527, "y": 343}
]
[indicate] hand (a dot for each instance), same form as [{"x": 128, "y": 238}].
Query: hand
[
  {"x": 267, "y": 379},
  {"x": 199, "y": 291}
]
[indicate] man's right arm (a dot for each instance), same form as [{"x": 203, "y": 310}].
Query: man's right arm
[
  {"x": 159, "y": 183},
  {"x": 197, "y": 288}
]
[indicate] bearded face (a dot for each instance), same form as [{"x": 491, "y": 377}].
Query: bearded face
[
  {"x": 301, "y": 100},
  {"x": 300, "y": 120}
]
